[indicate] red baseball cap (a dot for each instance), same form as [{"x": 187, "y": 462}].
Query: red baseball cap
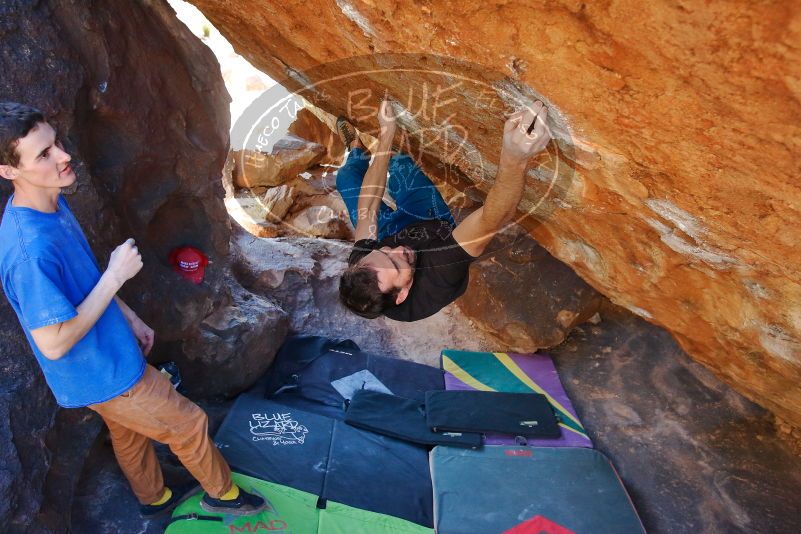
[{"x": 189, "y": 262}]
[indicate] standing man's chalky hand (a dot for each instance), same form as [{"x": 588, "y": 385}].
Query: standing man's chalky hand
[{"x": 125, "y": 261}]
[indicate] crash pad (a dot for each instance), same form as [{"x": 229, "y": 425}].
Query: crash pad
[
  {"x": 322, "y": 374},
  {"x": 403, "y": 419},
  {"x": 515, "y": 373},
  {"x": 289, "y": 511},
  {"x": 325, "y": 457},
  {"x": 499, "y": 488}
]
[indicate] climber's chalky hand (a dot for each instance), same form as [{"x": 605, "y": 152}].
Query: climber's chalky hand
[
  {"x": 517, "y": 142},
  {"x": 386, "y": 118}
]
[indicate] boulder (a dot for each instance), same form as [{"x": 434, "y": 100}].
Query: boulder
[
  {"x": 228, "y": 175},
  {"x": 308, "y": 126},
  {"x": 525, "y": 298},
  {"x": 289, "y": 156},
  {"x": 672, "y": 181},
  {"x": 43, "y": 447},
  {"x": 307, "y": 205},
  {"x": 235, "y": 345},
  {"x": 320, "y": 221},
  {"x": 277, "y": 201},
  {"x": 248, "y": 212},
  {"x": 320, "y": 182}
]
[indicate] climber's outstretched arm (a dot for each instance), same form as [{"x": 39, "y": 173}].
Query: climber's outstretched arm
[
  {"x": 375, "y": 180},
  {"x": 478, "y": 229}
]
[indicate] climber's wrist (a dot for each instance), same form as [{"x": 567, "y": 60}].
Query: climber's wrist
[
  {"x": 513, "y": 160},
  {"x": 387, "y": 133}
]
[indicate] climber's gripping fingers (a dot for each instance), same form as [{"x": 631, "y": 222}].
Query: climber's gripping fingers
[
  {"x": 386, "y": 118},
  {"x": 517, "y": 141}
]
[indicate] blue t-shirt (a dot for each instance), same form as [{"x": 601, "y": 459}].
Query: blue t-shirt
[{"x": 47, "y": 270}]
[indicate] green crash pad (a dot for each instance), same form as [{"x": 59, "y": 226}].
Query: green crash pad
[{"x": 290, "y": 511}]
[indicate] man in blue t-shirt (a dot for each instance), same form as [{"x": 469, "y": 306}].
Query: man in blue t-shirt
[{"x": 89, "y": 344}]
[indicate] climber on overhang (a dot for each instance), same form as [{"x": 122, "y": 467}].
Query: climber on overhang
[
  {"x": 90, "y": 345},
  {"x": 409, "y": 263}
]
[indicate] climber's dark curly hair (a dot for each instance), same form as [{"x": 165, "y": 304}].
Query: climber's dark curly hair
[{"x": 359, "y": 292}]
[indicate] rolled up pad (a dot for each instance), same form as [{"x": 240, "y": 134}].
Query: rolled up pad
[
  {"x": 403, "y": 419},
  {"x": 523, "y": 414}
]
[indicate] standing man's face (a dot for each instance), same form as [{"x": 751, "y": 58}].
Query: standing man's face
[{"x": 42, "y": 160}]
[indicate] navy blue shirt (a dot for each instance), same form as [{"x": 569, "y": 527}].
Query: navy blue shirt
[{"x": 47, "y": 269}]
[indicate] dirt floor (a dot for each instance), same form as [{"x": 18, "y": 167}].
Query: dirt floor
[{"x": 694, "y": 455}]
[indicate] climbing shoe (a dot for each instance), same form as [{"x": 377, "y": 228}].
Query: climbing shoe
[
  {"x": 346, "y": 131},
  {"x": 180, "y": 493},
  {"x": 244, "y": 504}
]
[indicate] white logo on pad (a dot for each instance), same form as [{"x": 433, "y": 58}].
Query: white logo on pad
[{"x": 279, "y": 428}]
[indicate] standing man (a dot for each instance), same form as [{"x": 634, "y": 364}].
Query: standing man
[
  {"x": 409, "y": 263},
  {"x": 88, "y": 343}
]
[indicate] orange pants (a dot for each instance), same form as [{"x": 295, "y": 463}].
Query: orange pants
[{"x": 152, "y": 409}]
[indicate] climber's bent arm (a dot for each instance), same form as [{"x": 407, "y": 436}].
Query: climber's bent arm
[
  {"x": 375, "y": 180},
  {"x": 478, "y": 229},
  {"x": 372, "y": 191}
]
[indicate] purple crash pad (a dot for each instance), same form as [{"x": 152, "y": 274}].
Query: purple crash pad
[{"x": 515, "y": 373}]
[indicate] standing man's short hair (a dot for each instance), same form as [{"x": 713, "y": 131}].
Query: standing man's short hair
[{"x": 16, "y": 121}]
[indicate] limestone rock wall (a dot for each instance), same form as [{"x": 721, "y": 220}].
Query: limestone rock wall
[{"x": 684, "y": 122}]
